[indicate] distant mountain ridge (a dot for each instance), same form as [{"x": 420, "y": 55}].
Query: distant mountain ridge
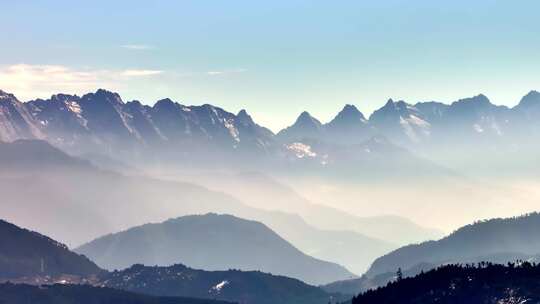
[
  {"x": 102, "y": 122},
  {"x": 229, "y": 242}
]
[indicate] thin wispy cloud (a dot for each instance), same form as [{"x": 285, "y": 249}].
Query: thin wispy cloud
[
  {"x": 224, "y": 72},
  {"x": 138, "y": 47},
  {"x": 137, "y": 73},
  {"x": 29, "y": 81}
]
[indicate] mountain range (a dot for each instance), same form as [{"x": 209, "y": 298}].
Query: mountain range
[
  {"x": 210, "y": 242},
  {"x": 169, "y": 132}
]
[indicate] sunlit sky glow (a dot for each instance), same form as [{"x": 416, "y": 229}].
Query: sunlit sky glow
[{"x": 273, "y": 58}]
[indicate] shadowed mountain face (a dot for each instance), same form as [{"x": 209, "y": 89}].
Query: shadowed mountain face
[
  {"x": 84, "y": 294},
  {"x": 231, "y": 285},
  {"x": 497, "y": 240},
  {"x": 485, "y": 283},
  {"x": 25, "y": 253},
  {"x": 211, "y": 242}
]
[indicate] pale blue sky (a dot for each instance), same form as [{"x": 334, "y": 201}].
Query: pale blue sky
[{"x": 275, "y": 58}]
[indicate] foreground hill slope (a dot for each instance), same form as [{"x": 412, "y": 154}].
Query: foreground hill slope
[
  {"x": 25, "y": 253},
  {"x": 496, "y": 240},
  {"x": 231, "y": 285},
  {"x": 466, "y": 285},
  {"x": 211, "y": 242},
  {"x": 83, "y": 294}
]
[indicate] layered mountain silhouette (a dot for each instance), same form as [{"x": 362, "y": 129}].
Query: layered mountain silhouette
[
  {"x": 483, "y": 283},
  {"x": 68, "y": 186},
  {"x": 230, "y": 285},
  {"x": 210, "y": 242},
  {"x": 266, "y": 192},
  {"x": 84, "y": 294},
  {"x": 24, "y": 253}
]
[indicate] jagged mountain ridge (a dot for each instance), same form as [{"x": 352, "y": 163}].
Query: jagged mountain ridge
[{"x": 102, "y": 122}]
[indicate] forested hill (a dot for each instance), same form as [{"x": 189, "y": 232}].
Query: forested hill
[
  {"x": 83, "y": 294},
  {"x": 246, "y": 287},
  {"x": 469, "y": 284}
]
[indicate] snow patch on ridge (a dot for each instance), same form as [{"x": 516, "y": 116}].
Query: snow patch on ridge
[
  {"x": 301, "y": 150},
  {"x": 232, "y": 129}
]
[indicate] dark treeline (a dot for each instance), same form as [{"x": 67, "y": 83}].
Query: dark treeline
[
  {"x": 470, "y": 283},
  {"x": 83, "y": 294}
]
